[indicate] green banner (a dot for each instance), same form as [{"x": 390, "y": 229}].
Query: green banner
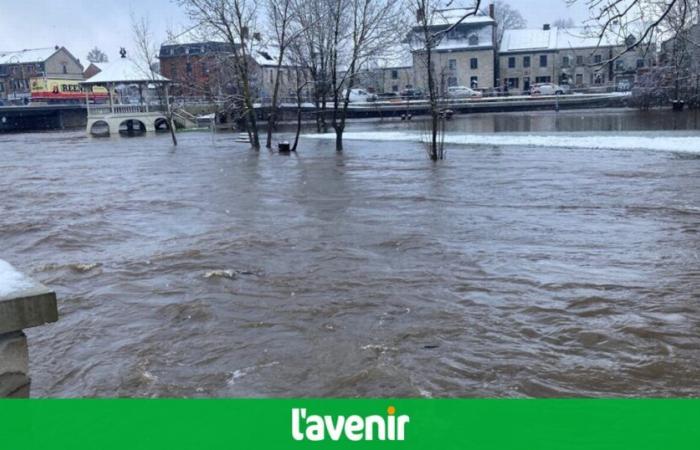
[{"x": 349, "y": 424}]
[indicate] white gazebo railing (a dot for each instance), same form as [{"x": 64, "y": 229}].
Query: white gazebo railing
[{"x": 102, "y": 109}]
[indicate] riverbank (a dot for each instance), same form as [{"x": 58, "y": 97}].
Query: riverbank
[{"x": 38, "y": 117}]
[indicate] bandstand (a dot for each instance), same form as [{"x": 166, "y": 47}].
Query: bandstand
[{"x": 137, "y": 102}]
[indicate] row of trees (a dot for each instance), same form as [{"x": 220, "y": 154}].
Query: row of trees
[{"x": 330, "y": 42}]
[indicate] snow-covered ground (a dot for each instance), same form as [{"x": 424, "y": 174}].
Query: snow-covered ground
[
  {"x": 11, "y": 280},
  {"x": 658, "y": 142}
]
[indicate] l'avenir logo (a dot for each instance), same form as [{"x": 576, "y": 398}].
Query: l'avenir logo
[{"x": 312, "y": 427}]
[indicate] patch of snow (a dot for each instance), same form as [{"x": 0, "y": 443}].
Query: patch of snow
[
  {"x": 681, "y": 144},
  {"x": 11, "y": 280}
]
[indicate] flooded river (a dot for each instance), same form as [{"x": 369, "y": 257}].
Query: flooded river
[{"x": 505, "y": 271}]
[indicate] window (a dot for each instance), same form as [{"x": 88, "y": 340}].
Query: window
[
  {"x": 579, "y": 79},
  {"x": 526, "y": 61},
  {"x": 452, "y": 64},
  {"x": 511, "y": 62},
  {"x": 640, "y": 63},
  {"x": 452, "y": 81},
  {"x": 619, "y": 65},
  {"x": 597, "y": 59},
  {"x": 65, "y": 69},
  {"x": 474, "y": 82},
  {"x": 473, "y": 39},
  {"x": 543, "y": 60},
  {"x": 513, "y": 83},
  {"x": 394, "y": 74},
  {"x": 565, "y": 61},
  {"x": 543, "y": 79},
  {"x": 2, "y": 87},
  {"x": 474, "y": 63},
  {"x": 579, "y": 60},
  {"x": 526, "y": 84},
  {"x": 395, "y": 88},
  {"x": 598, "y": 78}
]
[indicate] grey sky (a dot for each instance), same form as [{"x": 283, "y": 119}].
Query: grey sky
[{"x": 80, "y": 25}]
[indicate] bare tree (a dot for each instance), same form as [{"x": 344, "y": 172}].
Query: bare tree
[
  {"x": 235, "y": 22},
  {"x": 646, "y": 20},
  {"x": 285, "y": 29},
  {"x": 313, "y": 52},
  {"x": 97, "y": 56},
  {"x": 280, "y": 16},
  {"x": 361, "y": 29},
  {"x": 146, "y": 57},
  {"x": 429, "y": 31},
  {"x": 507, "y": 18}
]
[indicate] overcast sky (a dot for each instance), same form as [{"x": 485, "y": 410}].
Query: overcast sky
[{"x": 80, "y": 25}]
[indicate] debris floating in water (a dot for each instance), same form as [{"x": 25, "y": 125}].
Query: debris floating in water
[{"x": 230, "y": 274}]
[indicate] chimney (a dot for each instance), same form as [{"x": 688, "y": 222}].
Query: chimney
[
  {"x": 545, "y": 27},
  {"x": 492, "y": 10}
]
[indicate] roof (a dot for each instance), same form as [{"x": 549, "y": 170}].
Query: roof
[
  {"x": 36, "y": 55},
  {"x": 124, "y": 70},
  {"x": 452, "y": 16},
  {"x": 193, "y": 36},
  {"x": 554, "y": 39}
]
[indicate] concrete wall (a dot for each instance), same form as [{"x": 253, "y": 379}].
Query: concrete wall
[
  {"x": 14, "y": 365},
  {"x": 24, "y": 303}
]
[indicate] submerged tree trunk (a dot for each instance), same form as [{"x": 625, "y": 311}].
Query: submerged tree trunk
[
  {"x": 339, "y": 139},
  {"x": 298, "y": 130},
  {"x": 434, "y": 113}
]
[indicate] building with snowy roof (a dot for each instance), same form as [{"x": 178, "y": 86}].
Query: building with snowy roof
[
  {"x": 465, "y": 53},
  {"x": 17, "y": 68},
  {"x": 577, "y": 57}
]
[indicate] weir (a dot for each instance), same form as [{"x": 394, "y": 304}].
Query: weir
[{"x": 24, "y": 304}]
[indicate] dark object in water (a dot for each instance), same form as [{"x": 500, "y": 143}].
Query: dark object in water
[
  {"x": 447, "y": 114},
  {"x": 678, "y": 105},
  {"x": 284, "y": 147}
]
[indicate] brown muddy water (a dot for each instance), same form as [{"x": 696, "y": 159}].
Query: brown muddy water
[{"x": 210, "y": 270}]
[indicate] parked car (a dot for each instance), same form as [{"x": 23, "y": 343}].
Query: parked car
[
  {"x": 462, "y": 92},
  {"x": 387, "y": 96},
  {"x": 411, "y": 94},
  {"x": 546, "y": 89},
  {"x": 360, "y": 95}
]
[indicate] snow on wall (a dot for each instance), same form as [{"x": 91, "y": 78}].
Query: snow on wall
[{"x": 12, "y": 281}]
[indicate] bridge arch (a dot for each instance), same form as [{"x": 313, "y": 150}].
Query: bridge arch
[
  {"x": 99, "y": 128},
  {"x": 161, "y": 124},
  {"x": 132, "y": 127}
]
